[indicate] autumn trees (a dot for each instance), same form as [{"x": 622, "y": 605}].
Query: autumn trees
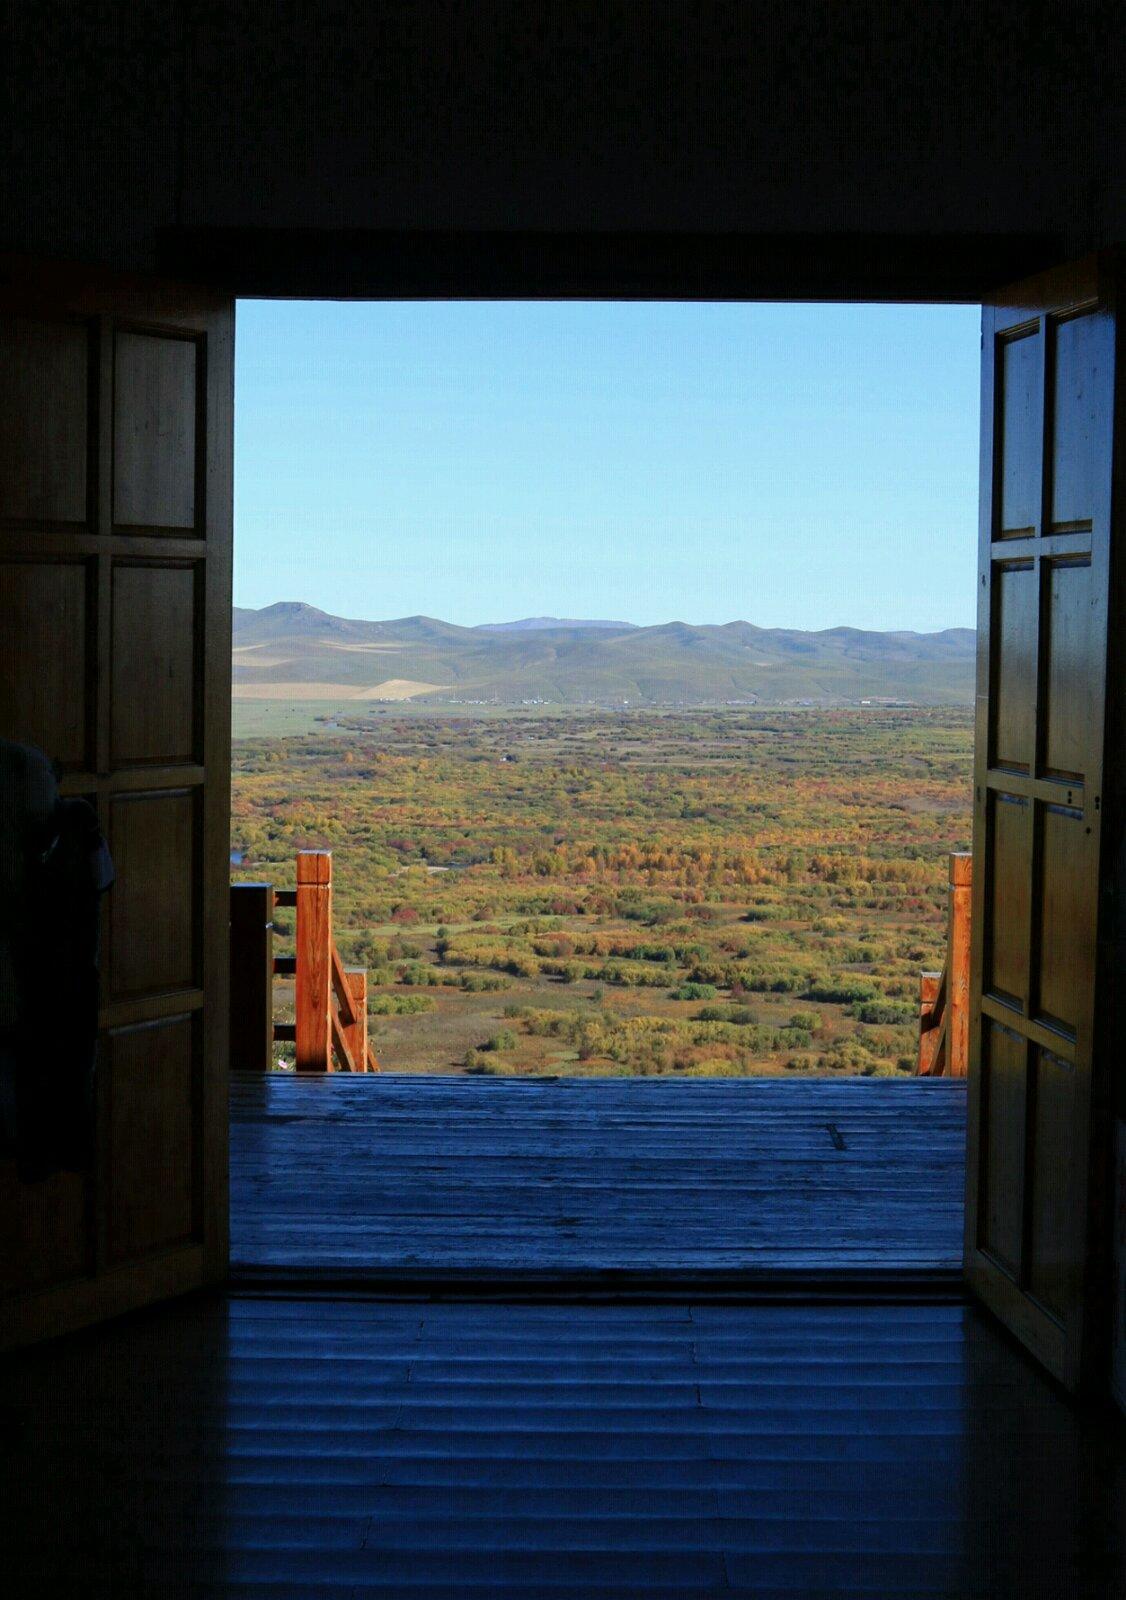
[{"x": 783, "y": 872}]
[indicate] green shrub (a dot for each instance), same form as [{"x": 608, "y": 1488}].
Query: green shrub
[
  {"x": 417, "y": 976},
  {"x": 742, "y": 1015},
  {"x": 876, "y": 1011},
  {"x": 399, "y": 1005},
  {"x": 478, "y": 1064},
  {"x": 480, "y": 983},
  {"x": 694, "y": 991},
  {"x": 842, "y": 993}
]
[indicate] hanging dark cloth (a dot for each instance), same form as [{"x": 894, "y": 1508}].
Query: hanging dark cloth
[{"x": 54, "y": 867}]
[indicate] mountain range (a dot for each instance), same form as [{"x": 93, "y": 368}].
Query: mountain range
[{"x": 293, "y": 651}]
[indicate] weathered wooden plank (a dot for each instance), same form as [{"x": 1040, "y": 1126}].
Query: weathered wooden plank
[
  {"x": 342, "y": 988},
  {"x": 314, "y": 943},
  {"x": 958, "y": 965},
  {"x": 344, "y": 1060},
  {"x": 356, "y": 1031},
  {"x": 414, "y": 1174}
]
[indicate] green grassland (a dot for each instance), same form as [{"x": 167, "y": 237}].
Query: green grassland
[
  {"x": 282, "y": 719},
  {"x": 693, "y": 893}
]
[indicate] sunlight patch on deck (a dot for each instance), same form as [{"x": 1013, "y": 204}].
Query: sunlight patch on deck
[{"x": 419, "y": 1173}]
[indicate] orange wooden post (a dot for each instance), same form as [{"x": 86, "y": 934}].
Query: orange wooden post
[
  {"x": 356, "y": 1033},
  {"x": 314, "y": 960},
  {"x": 252, "y": 976},
  {"x": 958, "y": 964},
  {"x": 929, "y": 985}
]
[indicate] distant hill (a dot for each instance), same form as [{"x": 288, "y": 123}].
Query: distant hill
[
  {"x": 293, "y": 651},
  {"x": 537, "y": 624}
]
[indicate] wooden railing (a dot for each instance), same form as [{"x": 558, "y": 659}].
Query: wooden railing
[
  {"x": 944, "y": 997},
  {"x": 330, "y": 1033},
  {"x": 331, "y": 1030}
]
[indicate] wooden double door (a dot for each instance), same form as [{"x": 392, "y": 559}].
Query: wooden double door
[
  {"x": 115, "y": 602},
  {"x": 115, "y": 612}
]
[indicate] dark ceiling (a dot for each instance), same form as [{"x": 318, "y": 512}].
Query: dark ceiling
[{"x": 816, "y": 148}]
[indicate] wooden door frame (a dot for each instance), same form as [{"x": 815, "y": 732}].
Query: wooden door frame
[{"x": 468, "y": 271}]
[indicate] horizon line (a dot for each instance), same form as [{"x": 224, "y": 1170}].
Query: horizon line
[{"x": 599, "y": 622}]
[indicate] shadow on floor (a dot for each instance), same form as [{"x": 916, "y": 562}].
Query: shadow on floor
[{"x": 288, "y": 1447}]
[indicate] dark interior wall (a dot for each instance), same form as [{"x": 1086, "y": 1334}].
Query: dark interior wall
[{"x": 287, "y": 144}]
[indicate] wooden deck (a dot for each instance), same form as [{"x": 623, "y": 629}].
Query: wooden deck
[
  {"x": 412, "y": 1178},
  {"x": 286, "y": 1449}
]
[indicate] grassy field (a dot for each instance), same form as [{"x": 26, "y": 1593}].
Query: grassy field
[
  {"x": 286, "y": 719},
  {"x": 698, "y": 893}
]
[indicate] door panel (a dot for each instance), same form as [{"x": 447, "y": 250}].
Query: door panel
[
  {"x": 1037, "y": 1106},
  {"x": 49, "y": 370},
  {"x": 49, "y": 605},
  {"x": 152, "y": 1108},
  {"x": 155, "y": 416},
  {"x": 1006, "y": 921},
  {"x": 154, "y": 648},
  {"x": 115, "y": 613},
  {"x": 1014, "y": 627},
  {"x": 154, "y": 949}
]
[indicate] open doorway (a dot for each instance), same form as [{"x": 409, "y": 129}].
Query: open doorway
[
  {"x": 128, "y": 533},
  {"x": 619, "y": 661}
]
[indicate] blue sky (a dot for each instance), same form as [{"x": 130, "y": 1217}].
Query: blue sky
[{"x": 793, "y": 466}]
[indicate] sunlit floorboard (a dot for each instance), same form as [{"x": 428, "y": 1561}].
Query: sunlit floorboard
[{"x": 458, "y": 1176}]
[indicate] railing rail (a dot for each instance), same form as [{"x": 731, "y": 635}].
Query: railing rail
[
  {"x": 944, "y": 997},
  {"x": 331, "y": 1030}
]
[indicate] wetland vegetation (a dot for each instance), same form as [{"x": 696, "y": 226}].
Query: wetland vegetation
[{"x": 692, "y": 893}]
